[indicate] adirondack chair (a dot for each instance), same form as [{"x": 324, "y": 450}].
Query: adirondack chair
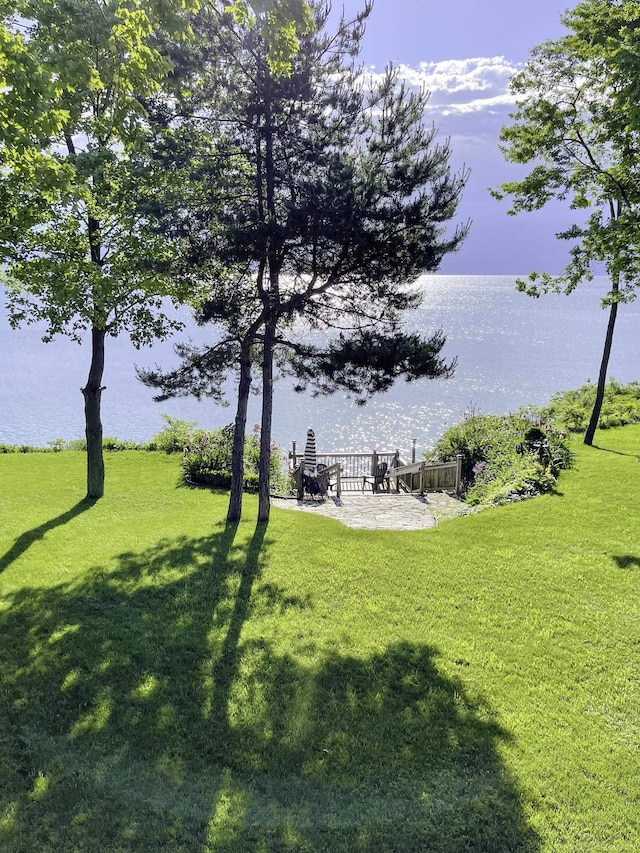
[
  {"x": 378, "y": 479},
  {"x": 312, "y": 485},
  {"x": 325, "y": 481}
]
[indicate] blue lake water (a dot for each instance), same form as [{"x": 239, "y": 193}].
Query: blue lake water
[{"x": 512, "y": 351}]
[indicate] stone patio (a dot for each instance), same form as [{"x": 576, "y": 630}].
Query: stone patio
[{"x": 381, "y": 511}]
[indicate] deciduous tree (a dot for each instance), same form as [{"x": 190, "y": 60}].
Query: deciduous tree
[
  {"x": 75, "y": 78},
  {"x": 70, "y": 228},
  {"x": 577, "y": 124}
]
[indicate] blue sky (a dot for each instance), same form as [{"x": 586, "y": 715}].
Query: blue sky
[{"x": 465, "y": 52}]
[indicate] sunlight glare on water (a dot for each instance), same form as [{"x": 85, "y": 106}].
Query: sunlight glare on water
[{"x": 512, "y": 351}]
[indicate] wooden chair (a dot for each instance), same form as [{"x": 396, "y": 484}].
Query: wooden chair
[
  {"x": 312, "y": 485},
  {"x": 380, "y": 478},
  {"x": 325, "y": 480}
]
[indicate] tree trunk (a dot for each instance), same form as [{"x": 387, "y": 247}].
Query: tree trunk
[
  {"x": 264, "y": 469},
  {"x": 602, "y": 377},
  {"x": 237, "y": 457},
  {"x": 93, "y": 425}
]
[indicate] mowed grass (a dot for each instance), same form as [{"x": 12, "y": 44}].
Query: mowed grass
[{"x": 171, "y": 683}]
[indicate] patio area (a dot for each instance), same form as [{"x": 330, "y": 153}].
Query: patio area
[{"x": 381, "y": 511}]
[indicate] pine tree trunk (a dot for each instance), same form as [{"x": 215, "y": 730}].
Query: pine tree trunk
[
  {"x": 237, "y": 458},
  {"x": 264, "y": 469},
  {"x": 604, "y": 364},
  {"x": 93, "y": 425}
]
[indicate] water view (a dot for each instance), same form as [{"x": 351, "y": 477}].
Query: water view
[{"x": 512, "y": 351}]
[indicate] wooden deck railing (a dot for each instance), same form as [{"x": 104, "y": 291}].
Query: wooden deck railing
[
  {"x": 422, "y": 477},
  {"x": 346, "y": 471},
  {"x": 353, "y": 465},
  {"x": 341, "y": 471}
]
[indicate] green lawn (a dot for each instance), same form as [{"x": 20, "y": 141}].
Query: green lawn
[{"x": 168, "y": 683}]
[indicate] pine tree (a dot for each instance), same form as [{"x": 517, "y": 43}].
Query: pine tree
[{"x": 321, "y": 197}]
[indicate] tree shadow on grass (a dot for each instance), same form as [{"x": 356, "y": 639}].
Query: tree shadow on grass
[
  {"x": 616, "y": 452},
  {"x": 26, "y": 539},
  {"x": 147, "y": 709},
  {"x": 627, "y": 561}
]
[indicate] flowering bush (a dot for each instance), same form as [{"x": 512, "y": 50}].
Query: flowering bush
[
  {"x": 504, "y": 458},
  {"x": 207, "y": 456}
]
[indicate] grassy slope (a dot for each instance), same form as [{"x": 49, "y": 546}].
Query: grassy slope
[{"x": 167, "y": 683}]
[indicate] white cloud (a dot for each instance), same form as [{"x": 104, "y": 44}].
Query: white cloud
[
  {"x": 463, "y": 86},
  {"x": 495, "y": 104},
  {"x": 469, "y": 103},
  {"x": 470, "y": 99},
  {"x": 455, "y": 76}
]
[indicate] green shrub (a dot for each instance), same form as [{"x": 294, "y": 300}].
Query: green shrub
[
  {"x": 517, "y": 477},
  {"x": 277, "y": 478},
  {"x": 215, "y": 479},
  {"x": 504, "y": 457},
  {"x": 206, "y": 454},
  {"x": 109, "y": 444},
  {"x": 473, "y": 439},
  {"x": 206, "y": 459},
  {"x": 115, "y": 444},
  {"x": 173, "y": 437},
  {"x": 54, "y": 446},
  {"x": 571, "y": 410},
  {"x": 60, "y": 444},
  {"x": 250, "y": 482}
]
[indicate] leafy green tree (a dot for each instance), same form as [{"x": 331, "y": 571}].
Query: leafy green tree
[
  {"x": 281, "y": 22},
  {"x": 70, "y": 228},
  {"x": 79, "y": 254},
  {"x": 577, "y": 122},
  {"x": 323, "y": 198}
]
